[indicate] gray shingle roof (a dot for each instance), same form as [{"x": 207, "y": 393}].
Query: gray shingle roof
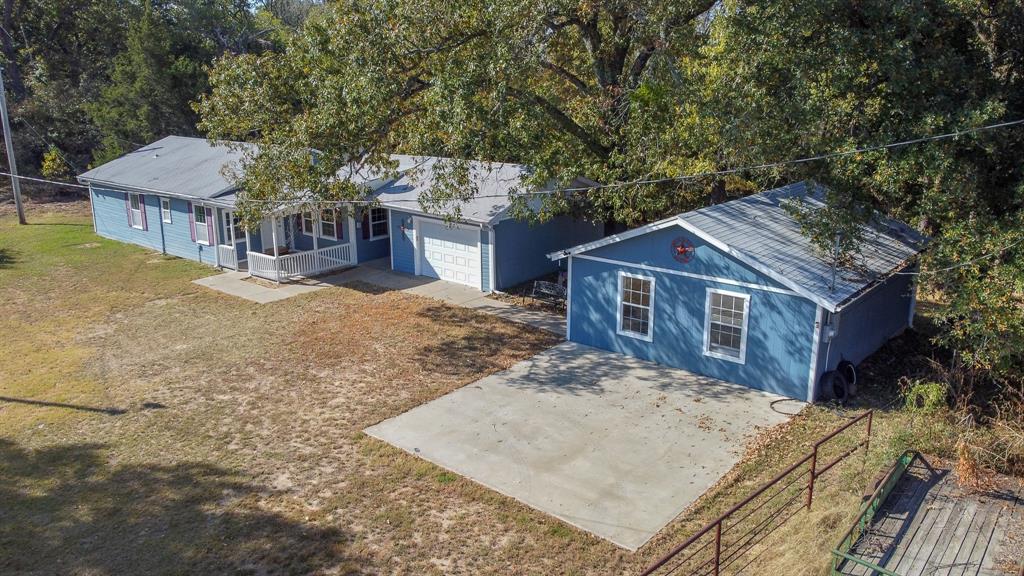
[
  {"x": 175, "y": 165},
  {"x": 492, "y": 182}
]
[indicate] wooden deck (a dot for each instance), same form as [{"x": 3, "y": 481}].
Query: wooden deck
[{"x": 929, "y": 526}]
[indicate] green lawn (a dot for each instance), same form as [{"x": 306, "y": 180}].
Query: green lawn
[{"x": 148, "y": 425}]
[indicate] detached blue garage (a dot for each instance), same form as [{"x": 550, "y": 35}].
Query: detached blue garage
[{"x": 736, "y": 292}]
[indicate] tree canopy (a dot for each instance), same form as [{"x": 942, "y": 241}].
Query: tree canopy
[{"x": 630, "y": 91}]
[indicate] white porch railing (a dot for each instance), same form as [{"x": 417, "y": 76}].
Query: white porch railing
[
  {"x": 227, "y": 256},
  {"x": 300, "y": 264}
]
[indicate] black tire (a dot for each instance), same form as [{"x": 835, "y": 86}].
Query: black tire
[
  {"x": 834, "y": 387},
  {"x": 849, "y": 371}
]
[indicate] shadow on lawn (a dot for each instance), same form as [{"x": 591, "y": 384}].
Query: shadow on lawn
[
  {"x": 480, "y": 349},
  {"x": 7, "y": 257},
  {"x": 70, "y": 509},
  {"x": 108, "y": 411}
]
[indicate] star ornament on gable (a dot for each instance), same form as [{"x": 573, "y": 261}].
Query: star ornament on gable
[{"x": 682, "y": 250}]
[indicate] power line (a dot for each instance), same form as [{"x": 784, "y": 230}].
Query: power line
[
  {"x": 597, "y": 186},
  {"x": 50, "y": 144},
  {"x": 765, "y": 166},
  {"x": 994, "y": 253}
]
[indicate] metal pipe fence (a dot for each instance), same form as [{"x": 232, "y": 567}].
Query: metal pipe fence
[{"x": 725, "y": 540}]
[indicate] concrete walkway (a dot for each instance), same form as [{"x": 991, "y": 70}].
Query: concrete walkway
[
  {"x": 611, "y": 444},
  {"x": 377, "y": 272},
  {"x": 238, "y": 284}
]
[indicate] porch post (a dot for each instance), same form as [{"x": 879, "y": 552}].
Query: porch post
[
  {"x": 216, "y": 235},
  {"x": 273, "y": 236},
  {"x": 248, "y": 248},
  {"x": 316, "y": 236}
]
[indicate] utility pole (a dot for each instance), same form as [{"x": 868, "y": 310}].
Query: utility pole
[{"x": 15, "y": 181}]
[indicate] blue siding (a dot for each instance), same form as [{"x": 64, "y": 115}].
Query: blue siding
[
  {"x": 178, "y": 236},
  {"x": 174, "y": 238},
  {"x": 655, "y": 249},
  {"x": 521, "y": 249},
  {"x": 368, "y": 249},
  {"x": 485, "y": 260},
  {"x": 403, "y": 246},
  {"x": 780, "y": 326},
  {"x": 111, "y": 219},
  {"x": 868, "y": 323},
  {"x": 304, "y": 241}
]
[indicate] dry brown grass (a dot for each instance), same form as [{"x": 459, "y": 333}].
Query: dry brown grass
[{"x": 153, "y": 426}]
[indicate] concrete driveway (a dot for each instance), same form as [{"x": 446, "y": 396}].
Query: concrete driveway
[{"x": 608, "y": 443}]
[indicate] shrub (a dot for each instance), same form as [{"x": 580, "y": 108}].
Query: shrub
[{"x": 926, "y": 396}]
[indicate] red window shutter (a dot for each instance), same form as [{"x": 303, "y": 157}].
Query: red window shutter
[
  {"x": 192, "y": 221},
  {"x": 209, "y": 226}
]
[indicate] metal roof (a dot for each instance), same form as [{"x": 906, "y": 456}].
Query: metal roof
[
  {"x": 175, "y": 166},
  {"x": 758, "y": 231}
]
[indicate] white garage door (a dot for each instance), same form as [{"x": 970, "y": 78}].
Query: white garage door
[{"x": 450, "y": 253}]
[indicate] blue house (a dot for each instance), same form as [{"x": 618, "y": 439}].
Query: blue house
[
  {"x": 174, "y": 196},
  {"x": 736, "y": 292}
]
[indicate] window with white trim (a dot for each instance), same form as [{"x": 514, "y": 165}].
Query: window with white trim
[
  {"x": 329, "y": 224},
  {"x": 636, "y": 303},
  {"x": 725, "y": 329},
  {"x": 202, "y": 230},
  {"x": 135, "y": 207},
  {"x": 378, "y": 223},
  {"x": 165, "y": 210},
  {"x": 308, "y": 225},
  {"x": 232, "y": 234}
]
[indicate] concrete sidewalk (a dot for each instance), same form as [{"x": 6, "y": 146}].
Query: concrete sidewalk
[
  {"x": 238, "y": 284},
  {"x": 378, "y": 273}
]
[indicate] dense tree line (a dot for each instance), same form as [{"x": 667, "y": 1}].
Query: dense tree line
[{"x": 88, "y": 80}]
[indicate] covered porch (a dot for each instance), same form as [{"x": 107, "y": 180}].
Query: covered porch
[{"x": 288, "y": 244}]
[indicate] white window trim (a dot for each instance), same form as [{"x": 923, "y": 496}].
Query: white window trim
[
  {"x": 231, "y": 236},
  {"x": 136, "y": 221},
  {"x": 742, "y": 358},
  {"x": 195, "y": 224},
  {"x": 335, "y": 222},
  {"x": 165, "y": 213},
  {"x": 319, "y": 232},
  {"x": 618, "y": 308},
  {"x": 302, "y": 224},
  {"x": 387, "y": 230}
]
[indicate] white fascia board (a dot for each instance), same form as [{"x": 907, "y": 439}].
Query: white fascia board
[
  {"x": 673, "y": 221},
  {"x": 800, "y": 290}
]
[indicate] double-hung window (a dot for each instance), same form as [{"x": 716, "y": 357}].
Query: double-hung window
[
  {"x": 329, "y": 224},
  {"x": 329, "y": 227},
  {"x": 725, "y": 326},
  {"x": 231, "y": 231},
  {"x": 378, "y": 223},
  {"x": 202, "y": 230},
  {"x": 135, "y": 209},
  {"x": 165, "y": 210},
  {"x": 308, "y": 226},
  {"x": 636, "y": 306}
]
